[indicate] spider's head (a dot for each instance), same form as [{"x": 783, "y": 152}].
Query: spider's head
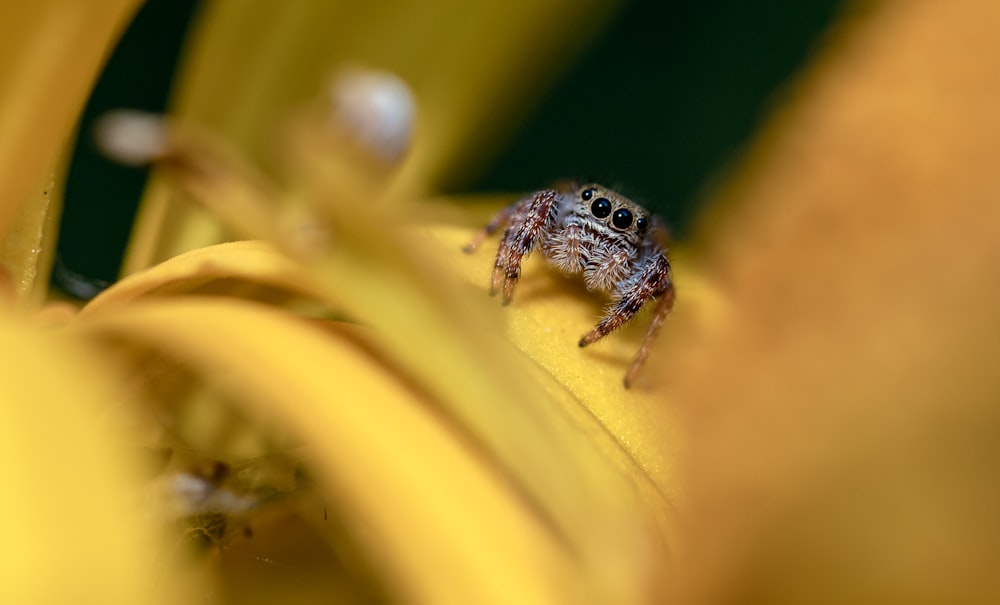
[{"x": 620, "y": 214}]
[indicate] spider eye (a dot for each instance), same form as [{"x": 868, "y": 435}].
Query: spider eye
[
  {"x": 586, "y": 195},
  {"x": 641, "y": 223},
  {"x": 622, "y": 218},
  {"x": 601, "y": 207}
]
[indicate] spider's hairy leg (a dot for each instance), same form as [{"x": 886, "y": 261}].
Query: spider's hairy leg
[
  {"x": 499, "y": 220},
  {"x": 654, "y": 281},
  {"x": 528, "y": 220},
  {"x": 663, "y": 307}
]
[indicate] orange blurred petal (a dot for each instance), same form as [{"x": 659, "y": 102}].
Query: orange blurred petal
[{"x": 844, "y": 417}]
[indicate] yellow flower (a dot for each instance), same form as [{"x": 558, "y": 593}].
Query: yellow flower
[{"x": 346, "y": 416}]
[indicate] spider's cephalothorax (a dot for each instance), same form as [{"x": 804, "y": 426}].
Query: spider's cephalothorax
[{"x": 616, "y": 244}]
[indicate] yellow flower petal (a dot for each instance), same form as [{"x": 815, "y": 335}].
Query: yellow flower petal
[
  {"x": 74, "y": 529},
  {"x": 471, "y": 67},
  {"x": 247, "y": 269},
  {"x": 50, "y": 52},
  {"x": 388, "y": 461},
  {"x": 29, "y": 247},
  {"x": 845, "y": 423}
]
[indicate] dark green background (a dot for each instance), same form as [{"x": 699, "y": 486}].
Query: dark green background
[{"x": 653, "y": 108}]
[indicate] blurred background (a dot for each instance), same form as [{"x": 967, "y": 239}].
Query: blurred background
[{"x": 658, "y": 103}]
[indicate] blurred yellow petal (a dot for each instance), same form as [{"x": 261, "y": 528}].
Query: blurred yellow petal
[
  {"x": 247, "y": 269},
  {"x": 471, "y": 65},
  {"x": 73, "y": 525},
  {"x": 472, "y": 68},
  {"x": 50, "y": 52},
  {"x": 29, "y": 247},
  {"x": 844, "y": 424},
  {"x": 481, "y": 544}
]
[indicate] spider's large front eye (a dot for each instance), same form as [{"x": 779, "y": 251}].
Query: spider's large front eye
[
  {"x": 622, "y": 218},
  {"x": 586, "y": 195},
  {"x": 601, "y": 207}
]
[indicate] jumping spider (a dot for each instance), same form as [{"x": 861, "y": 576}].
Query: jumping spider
[{"x": 589, "y": 229}]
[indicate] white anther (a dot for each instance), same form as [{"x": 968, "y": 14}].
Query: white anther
[
  {"x": 377, "y": 108},
  {"x": 131, "y": 137}
]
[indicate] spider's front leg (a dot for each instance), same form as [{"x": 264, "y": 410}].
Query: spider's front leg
[
  {"x": 653, "y": 282},
  {"x": 527, "y": 220}
]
